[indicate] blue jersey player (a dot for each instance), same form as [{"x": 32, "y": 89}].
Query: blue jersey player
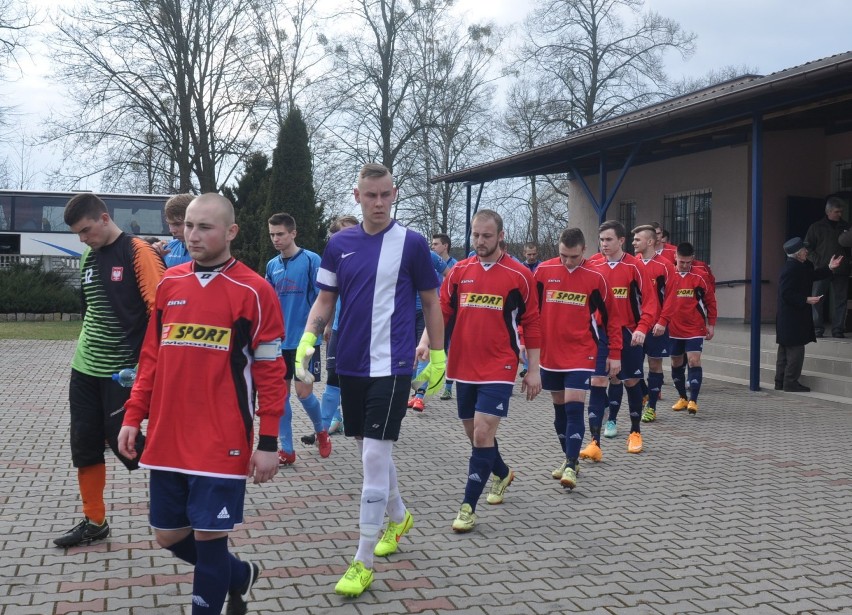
[{"x": 293, "y": 275}]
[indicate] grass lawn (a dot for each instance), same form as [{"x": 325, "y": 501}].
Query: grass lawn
[{"x": 49, "y": 330}]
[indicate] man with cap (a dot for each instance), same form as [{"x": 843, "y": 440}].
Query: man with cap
[{"x": 793, "y": 327}]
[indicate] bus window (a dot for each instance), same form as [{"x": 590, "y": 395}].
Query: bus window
[
  {"x": 138, "y": 217},
  {"x": 5, "y": 212}
]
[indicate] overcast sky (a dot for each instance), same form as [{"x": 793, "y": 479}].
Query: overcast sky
[{"x": 768, "y": 35}]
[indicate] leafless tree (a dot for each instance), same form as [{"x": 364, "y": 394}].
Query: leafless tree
[
  {"x": 379, "y": 120},
  {"x": 712, "y": 77},
  {"x": 16, "y": 22},
  {"x": 605, "y": 57},
  {"x": 456, "y": 94},
  {"x": 165, "y": 84}
]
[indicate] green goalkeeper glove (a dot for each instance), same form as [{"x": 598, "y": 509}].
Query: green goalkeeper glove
[
  {"x": 304, "y": 352},
  {"x": 433, "y": 374}
]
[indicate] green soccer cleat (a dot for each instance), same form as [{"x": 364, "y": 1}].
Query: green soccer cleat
[
  {"x": 569, "y": 478},
  {"x": 390, "y": 539},
  {"x": 610, "y": 430},
  {"x": 498, "y": 488},
  {"x": 649, "y": 416},
  {"x": 557, "y": 473},
  {"x": 465, "y": 520},
  {"x": 356, "y": 579}
]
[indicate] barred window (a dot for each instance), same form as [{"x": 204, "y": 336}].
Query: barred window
[
  {"x": 687, "y": 217},
  {"x": 841, "y": 175},
  {"x": 627, "y": 216}
]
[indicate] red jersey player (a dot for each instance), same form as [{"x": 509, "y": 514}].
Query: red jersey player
[
  {"x": 484, "y": 299},
  {"x": 571, "y": 295},
  {"x": 634, "y": 311},
  {"x": 690, "y": 313},
  {"x": 659, "y": 270}
]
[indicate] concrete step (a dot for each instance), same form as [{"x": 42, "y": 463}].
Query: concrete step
[
  {"x": 768, "y": 387},
  {"x": 829, "y": 384},
  {"x": 814, "y": 362},
  {"x": 826, "y": 346}
]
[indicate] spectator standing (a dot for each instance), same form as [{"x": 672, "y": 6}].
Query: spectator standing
[{"x": 822, "y": 243}]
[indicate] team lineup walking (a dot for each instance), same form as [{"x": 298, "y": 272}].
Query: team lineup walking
[{"x": 580, "y": 324}]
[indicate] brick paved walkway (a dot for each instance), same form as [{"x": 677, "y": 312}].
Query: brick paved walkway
[{"x": 746, "y": 508}]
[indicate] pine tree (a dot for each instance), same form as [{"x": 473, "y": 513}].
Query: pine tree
[
  {"x": 252, "y": 245},
  {"x": 291, "y": 183}
]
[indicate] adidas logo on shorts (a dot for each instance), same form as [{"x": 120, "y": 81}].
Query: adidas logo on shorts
[{"x": 223, "y": 514}]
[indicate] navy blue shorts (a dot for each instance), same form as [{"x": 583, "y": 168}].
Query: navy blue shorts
[
  {"x": 374, "y": 407},
  {"x": 203, "y": 503},
  {"x": 632, "y": 358},
  {"x": 491, "y": 398},
  {"x": 314, "y": 365},
  {"x": 657, "y": 347},
  {"x": 690, "y": 344},
  {"x": 578, "y": 380}
]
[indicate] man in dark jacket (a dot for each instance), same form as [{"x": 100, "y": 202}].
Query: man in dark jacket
[
  {"x": 822, "y": 239},
  {"x": 793, "y": 328}
]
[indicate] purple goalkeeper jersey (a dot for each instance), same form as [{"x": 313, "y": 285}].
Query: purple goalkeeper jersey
[{"x": 377, "y": 278}]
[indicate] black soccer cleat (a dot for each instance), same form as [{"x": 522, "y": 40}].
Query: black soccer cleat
[{"x": 83, "y": 533}]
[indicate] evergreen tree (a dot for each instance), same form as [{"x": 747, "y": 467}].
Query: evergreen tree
[
  {"x": 252, "y": 245},
  {"x": 291, "y": 183}
]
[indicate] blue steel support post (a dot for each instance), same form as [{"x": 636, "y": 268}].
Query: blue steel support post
[
  {"x": 467, "y": 186},
  {"x": 756, "y": 246},
  {"x": 602, "y": 204}
]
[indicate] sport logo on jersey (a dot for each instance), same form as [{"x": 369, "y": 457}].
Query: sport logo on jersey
[
  {"x": 117, "y": 274},
  {"x": 200, "y": 336},
  {"x": 685, "y": 292},
  {"x": 619, "y": 292},
  {"x": 477, "y": 300},
  {"x": 564, "y": 296}
]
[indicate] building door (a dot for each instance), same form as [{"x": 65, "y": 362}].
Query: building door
[{"x": 802, "y": 211}]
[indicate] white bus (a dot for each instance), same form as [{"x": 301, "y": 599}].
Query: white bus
[{"x": 31, "y": 222}]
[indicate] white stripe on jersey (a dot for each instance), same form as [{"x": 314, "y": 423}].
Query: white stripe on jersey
[
  {"x": 326, "y": 278},
  {"x": 384, "y": 300}
]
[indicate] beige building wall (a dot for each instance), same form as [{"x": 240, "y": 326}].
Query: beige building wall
[
  {"x": 724, "y": 171},
  {"x": 796, "y": 163}
]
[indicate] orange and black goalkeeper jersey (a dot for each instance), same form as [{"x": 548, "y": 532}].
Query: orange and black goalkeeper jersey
[
  {"x": 570, "y": 300},
  {"x": 482, "y": 308},
  {"x": 118, "y": 283}
]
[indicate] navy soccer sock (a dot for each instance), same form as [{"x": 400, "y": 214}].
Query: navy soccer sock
[
  {"x": 185, "y": 549},
  {"x": 574, "y": 430},
  {"x": 679, "y": 380},
  {"x": 615, "y": 394},
  {"x": 597, "y": 403},
  {"x": 634, "y": 404},
  {"x": 560, "y": 423},
  {"x": 696, "y": 375},
  {"x": 479, "y": 469},
  {"x": 655, "y": 385},
  {"x": 212, "y": 576},
  {"x": 499, "y": 467}
]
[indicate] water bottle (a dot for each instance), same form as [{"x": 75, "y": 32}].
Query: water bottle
[{"x": 125, "y": 377}]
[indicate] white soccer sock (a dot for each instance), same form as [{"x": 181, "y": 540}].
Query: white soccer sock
[
  {"x": 376, "y": 459},
  {"x": 396, "y": 508}
]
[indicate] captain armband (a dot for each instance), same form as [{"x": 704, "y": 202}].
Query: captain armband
[{"x": 268, "y": 351}]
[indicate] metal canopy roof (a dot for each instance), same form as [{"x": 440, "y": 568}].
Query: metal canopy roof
[{"x": 814, "y": 95}]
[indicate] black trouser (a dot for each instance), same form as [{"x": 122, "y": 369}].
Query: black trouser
[
  {"x": 788, "y": 365},
  {"x": 97, "y": 410}
]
